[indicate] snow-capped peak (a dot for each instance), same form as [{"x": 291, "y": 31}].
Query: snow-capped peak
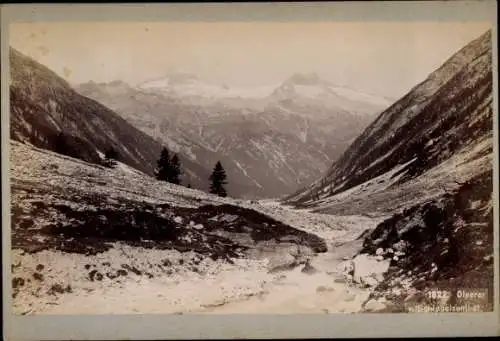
[
  {"x": 188, "y": 85},
  {"x": 305, "y": 79},
  {"x": 170, "y": 80},
  {"x": 305, "y": 87}
]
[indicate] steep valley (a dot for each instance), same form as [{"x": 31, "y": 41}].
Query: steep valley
[{"x": 405, "y": 207}]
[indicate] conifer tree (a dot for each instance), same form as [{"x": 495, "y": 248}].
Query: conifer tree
[
  {"x": 218, "y": 179},
  {"x": 163, "y": 169},
  {"x": 60, "y": 144},
  {"x": 175, "y": 170},
  {"x": 63, "y": 144}
]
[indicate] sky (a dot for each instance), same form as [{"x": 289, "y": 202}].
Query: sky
[{"x": 383, "y": 58}]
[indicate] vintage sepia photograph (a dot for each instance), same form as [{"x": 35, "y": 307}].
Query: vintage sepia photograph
[{"x": 251, "y": 167}]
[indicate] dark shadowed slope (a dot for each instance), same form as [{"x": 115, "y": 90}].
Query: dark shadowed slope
[
  {"x": 444, "y": 243},
  {"x": 42, "y": 105},
  {"x": 449, "y": 111}
]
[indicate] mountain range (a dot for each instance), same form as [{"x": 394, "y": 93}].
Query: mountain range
[
  {"x": 44, "y": 108},
  {"x": 270, "y": 139}
]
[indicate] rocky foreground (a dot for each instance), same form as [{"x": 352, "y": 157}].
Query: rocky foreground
[{"x": 446, "y": 243}]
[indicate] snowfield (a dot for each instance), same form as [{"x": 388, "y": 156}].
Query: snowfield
[{"x": 92, "y": 240}]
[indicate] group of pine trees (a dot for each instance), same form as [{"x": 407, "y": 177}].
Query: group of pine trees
[{"x": 169, "y": 169}]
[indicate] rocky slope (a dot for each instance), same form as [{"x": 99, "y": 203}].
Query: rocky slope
[
  {"x": 270, "y": 142},
  {"x": 445, "y": 244},
  {"x": 425, "y": 165},
  {"x": 43, "y": 105}
]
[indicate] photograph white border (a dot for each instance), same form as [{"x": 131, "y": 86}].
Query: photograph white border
[{"x": 107, "y": 327}]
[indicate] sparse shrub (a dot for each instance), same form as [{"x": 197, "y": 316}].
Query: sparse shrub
[
  {"x": 38, "y": 276},
  {"x": 26, "y": 223},
  {"x": 39, "y": 267},
  {"x": 59, "y": 289},
  {"x": 111, "y": 275},
  {"x": 110, "y": 158},
  {"x": 17, "y": 282},
  {"x": 132, "y": 269},
  {"x": 121, "y": 272},
  {"x": 95, "y": 275}
]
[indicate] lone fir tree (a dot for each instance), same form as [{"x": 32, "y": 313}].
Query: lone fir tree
[
  {"x": 218, "y": 179},
  {"x": 175, "y": 170},
  {"x": 163, "y": 169}
]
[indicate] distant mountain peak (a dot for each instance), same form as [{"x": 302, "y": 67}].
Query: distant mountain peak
[
  {"x": 171, "y": 78},
  {"x": 305, "y": 79},
  {"x": 118, "y": 83}
]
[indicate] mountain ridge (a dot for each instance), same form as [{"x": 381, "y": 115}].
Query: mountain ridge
[
  {"x": 43, "y": 105},
  {"x": 256, "y": 143},
  {"x": 401, "y": 124}
]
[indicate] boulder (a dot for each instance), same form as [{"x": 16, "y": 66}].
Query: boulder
[{"x": 368, "y": 270}]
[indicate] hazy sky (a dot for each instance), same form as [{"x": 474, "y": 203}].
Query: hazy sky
[{"x": 386, "y": 58}]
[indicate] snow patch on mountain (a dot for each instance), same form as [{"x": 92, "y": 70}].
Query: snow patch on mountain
[{"x": 187, "y": 85}]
